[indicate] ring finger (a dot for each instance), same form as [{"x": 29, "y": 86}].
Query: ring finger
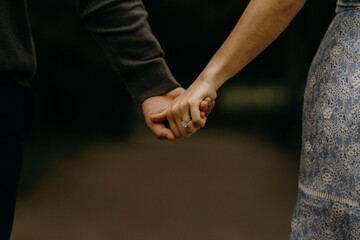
[
  {"x": 186, "y": 126},
  {"x": 190, "y": 128}
]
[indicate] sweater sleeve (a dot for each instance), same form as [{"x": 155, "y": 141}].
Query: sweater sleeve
[{"x": 121, "y": 28}]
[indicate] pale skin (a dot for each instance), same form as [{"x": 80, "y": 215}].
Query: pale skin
[
  {"x": 261, "y": 23},
  {"x": 158, "y": 104}
]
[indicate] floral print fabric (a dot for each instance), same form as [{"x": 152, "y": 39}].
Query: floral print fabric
[{"x": 328, "y": 204}]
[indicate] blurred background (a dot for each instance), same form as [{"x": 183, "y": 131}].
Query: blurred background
[{"x": 93, "y": 171}]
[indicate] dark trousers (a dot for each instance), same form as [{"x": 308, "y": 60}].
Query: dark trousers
[{"x": 12, "y": 127}]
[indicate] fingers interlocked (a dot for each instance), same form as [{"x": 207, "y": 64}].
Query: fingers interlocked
[{"x": 184, "y": 117}]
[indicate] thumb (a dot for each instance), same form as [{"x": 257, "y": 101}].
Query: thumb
[{"x": 159, "y": 117}]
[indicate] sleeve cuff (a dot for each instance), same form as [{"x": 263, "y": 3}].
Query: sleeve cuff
[{"x": 151, "y": 78}]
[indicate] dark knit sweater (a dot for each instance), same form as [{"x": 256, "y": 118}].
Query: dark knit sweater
[{"x": 121, "y": 28}]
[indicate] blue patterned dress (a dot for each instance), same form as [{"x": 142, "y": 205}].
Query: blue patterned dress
[{"x": 328, "y": 204}]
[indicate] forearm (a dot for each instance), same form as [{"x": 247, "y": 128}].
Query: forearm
[
  {"x": 261, "y": 23},
  {"x": 122, "y": 30}
]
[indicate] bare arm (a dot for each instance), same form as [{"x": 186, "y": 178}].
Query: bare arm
[
  {"x": 122, "y": 30},
  {"x": 261, "y": 23}
]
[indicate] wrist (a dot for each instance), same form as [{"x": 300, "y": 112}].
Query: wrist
[{"x": 214, "y": 77}]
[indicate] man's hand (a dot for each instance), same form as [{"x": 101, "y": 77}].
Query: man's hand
[{"x": 158, "y": 104}]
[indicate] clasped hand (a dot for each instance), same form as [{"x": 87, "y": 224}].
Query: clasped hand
[{"x": 183, "y": 112}]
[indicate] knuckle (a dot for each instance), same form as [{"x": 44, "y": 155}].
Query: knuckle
[
  {"x": 192, "y": 102},
  {"x": 182, "y": 105},
  {"x": 176, "y": 109}
]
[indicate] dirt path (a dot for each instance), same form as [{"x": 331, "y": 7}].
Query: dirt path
[{"x": 214, "y": 186}]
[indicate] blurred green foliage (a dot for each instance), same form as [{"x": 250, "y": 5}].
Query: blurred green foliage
[
  {"x": 78, "y": 97},
  {"x": 192, "y": 31},
  {"x": 76, "y": 90}
]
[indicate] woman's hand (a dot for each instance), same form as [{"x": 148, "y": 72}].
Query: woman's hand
[
  {"x": 154, "y": 111},
  {"x": 261, "y": 23},
  {"x": 184, "y": 114}
]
